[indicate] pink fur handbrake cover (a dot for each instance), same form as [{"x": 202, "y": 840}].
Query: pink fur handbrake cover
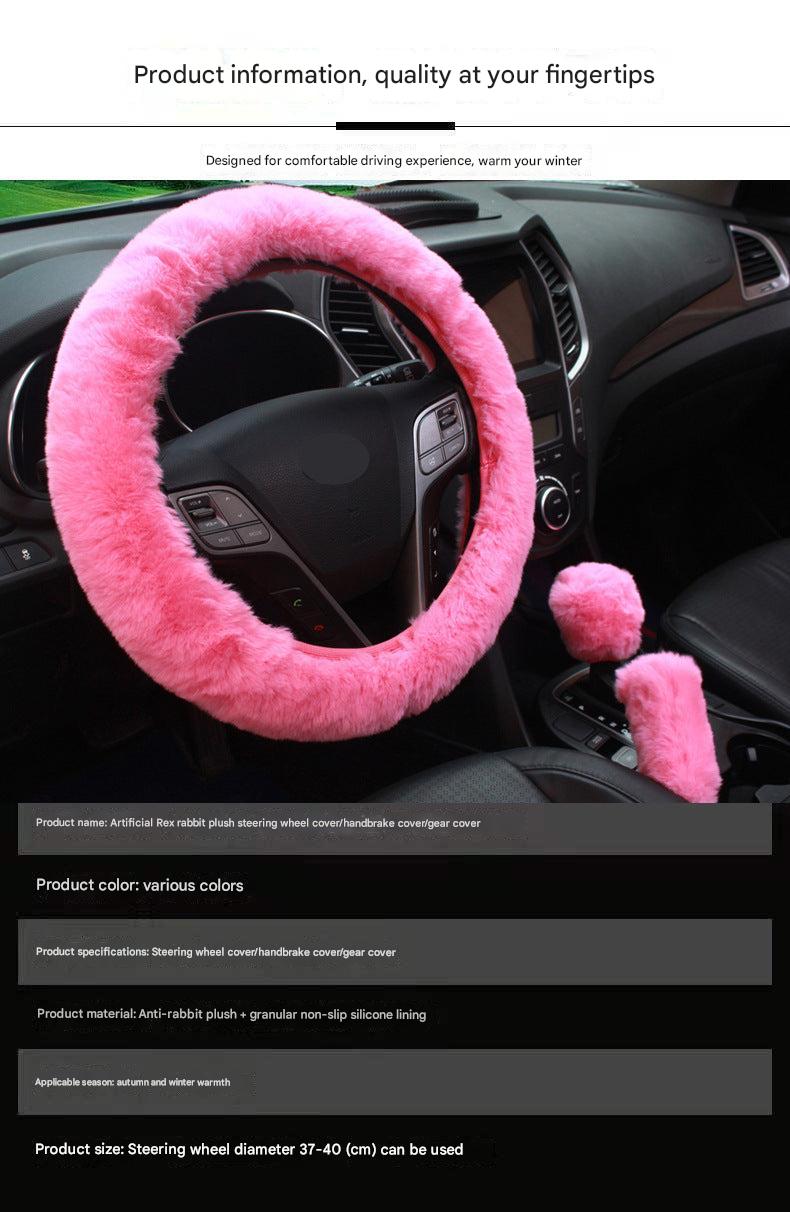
[
  {"x": 133, "y": 557},
  {"x": 668, "y": 718}
]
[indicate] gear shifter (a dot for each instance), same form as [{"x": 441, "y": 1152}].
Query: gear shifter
[
  {"x": 599, "y": 612},
  {"x": 600, "y": 685}
]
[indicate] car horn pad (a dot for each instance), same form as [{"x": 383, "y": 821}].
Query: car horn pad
[{"x": 132, "y": 554}]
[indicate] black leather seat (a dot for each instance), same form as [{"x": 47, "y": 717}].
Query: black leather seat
[
  {"x": 527, "y": 776},
  {"x": 735, "y": 621}
]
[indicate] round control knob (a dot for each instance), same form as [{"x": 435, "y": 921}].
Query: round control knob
[{"x": 553, "y": 506}]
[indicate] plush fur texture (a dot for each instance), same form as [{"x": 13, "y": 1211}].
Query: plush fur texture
[
  {"x": 599, "y": 612},
  {"x": 662, "y": 695},
  {"x": 133, "y": 557}
]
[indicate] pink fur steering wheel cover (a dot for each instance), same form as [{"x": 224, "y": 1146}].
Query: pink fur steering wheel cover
[{"x": 189, "y": 631}]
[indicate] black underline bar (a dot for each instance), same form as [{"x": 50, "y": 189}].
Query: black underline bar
[{"x": 374, "y": 126}]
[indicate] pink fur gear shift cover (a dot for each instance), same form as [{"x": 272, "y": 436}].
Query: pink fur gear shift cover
[
  {"x": 599, "y": 612},
  {"x": 134, "y": 558}
]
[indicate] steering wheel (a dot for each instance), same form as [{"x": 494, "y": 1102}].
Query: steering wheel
[{"x": 318, "y": 497}]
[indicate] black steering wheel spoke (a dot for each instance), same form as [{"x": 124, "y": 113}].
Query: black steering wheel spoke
[
  {"x": 442, "y": 447},
  {"x": 246, "y": 548}
]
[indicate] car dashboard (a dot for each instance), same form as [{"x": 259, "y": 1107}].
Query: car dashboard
[{"x": 598, "y": 295}]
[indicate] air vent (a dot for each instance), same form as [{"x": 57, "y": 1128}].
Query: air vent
[
  {"x": 564, "y": 302},
  {"x": 761, "y": 265},
  {"x": 352, "y": 319}
]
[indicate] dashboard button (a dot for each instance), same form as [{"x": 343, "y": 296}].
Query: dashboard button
[
  {"x": 26, "y": 555},
  {"x": 556, "y": 510},
  {"x": 626, "y": 756},
  {"x": 5, "y": 563},
  {"x": 222, "y": 541},
  {"x": 552, "y": 507},
  {"x": 251, "y": 535}
]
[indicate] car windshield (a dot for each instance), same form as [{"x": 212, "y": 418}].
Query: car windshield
[
  {"x": 43, "y": 197},
  {"x": 24, "y": 198}
]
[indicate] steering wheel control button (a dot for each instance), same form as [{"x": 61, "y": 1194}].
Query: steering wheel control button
[
  {"x": 252, "y": 535},
  {"x": 308, "y": 612},
  {"x": 26, "y": 555},
  {"x": 429, "y": 435},
  {"x": 320, "y": 629},
  {"x": 223, "y": 541},
  {"x": 453, "y": 430},
  {"x": 453, "y": 449},
  {"x": 233, "y": 509},
  {"x": 297, "y": 601},
  {"x": 209, "y": 525},
  {"x": 431, "y": 462},
  {"x": 448, "y": 416},
  {"x": 191, "y": 504}
]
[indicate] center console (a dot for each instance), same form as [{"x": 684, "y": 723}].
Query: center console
[
  {"x": 560, "y": 462},
  {"x": 526, "y": 304}
]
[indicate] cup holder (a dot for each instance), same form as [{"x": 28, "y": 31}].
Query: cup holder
[{"x": 757, "y": 761}]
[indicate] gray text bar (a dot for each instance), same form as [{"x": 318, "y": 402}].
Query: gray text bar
[
  {"x": 399, "y": 951},
  {"x": 343, "y": 1081},
  {"x": 741, "y": 829}
]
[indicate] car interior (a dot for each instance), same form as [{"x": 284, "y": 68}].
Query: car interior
[{"x": 649, "y": 331}]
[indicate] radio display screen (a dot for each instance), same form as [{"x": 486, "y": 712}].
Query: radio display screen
[
  {"x": 504, "y": 296},
  {"x": 545, "y": 429}
]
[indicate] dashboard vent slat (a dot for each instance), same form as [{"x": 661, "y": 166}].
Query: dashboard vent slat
[
  {"x": 355, "y": 326},
  {"x": 760, "y": 263},
  {"x": 562, "y": 301}
]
